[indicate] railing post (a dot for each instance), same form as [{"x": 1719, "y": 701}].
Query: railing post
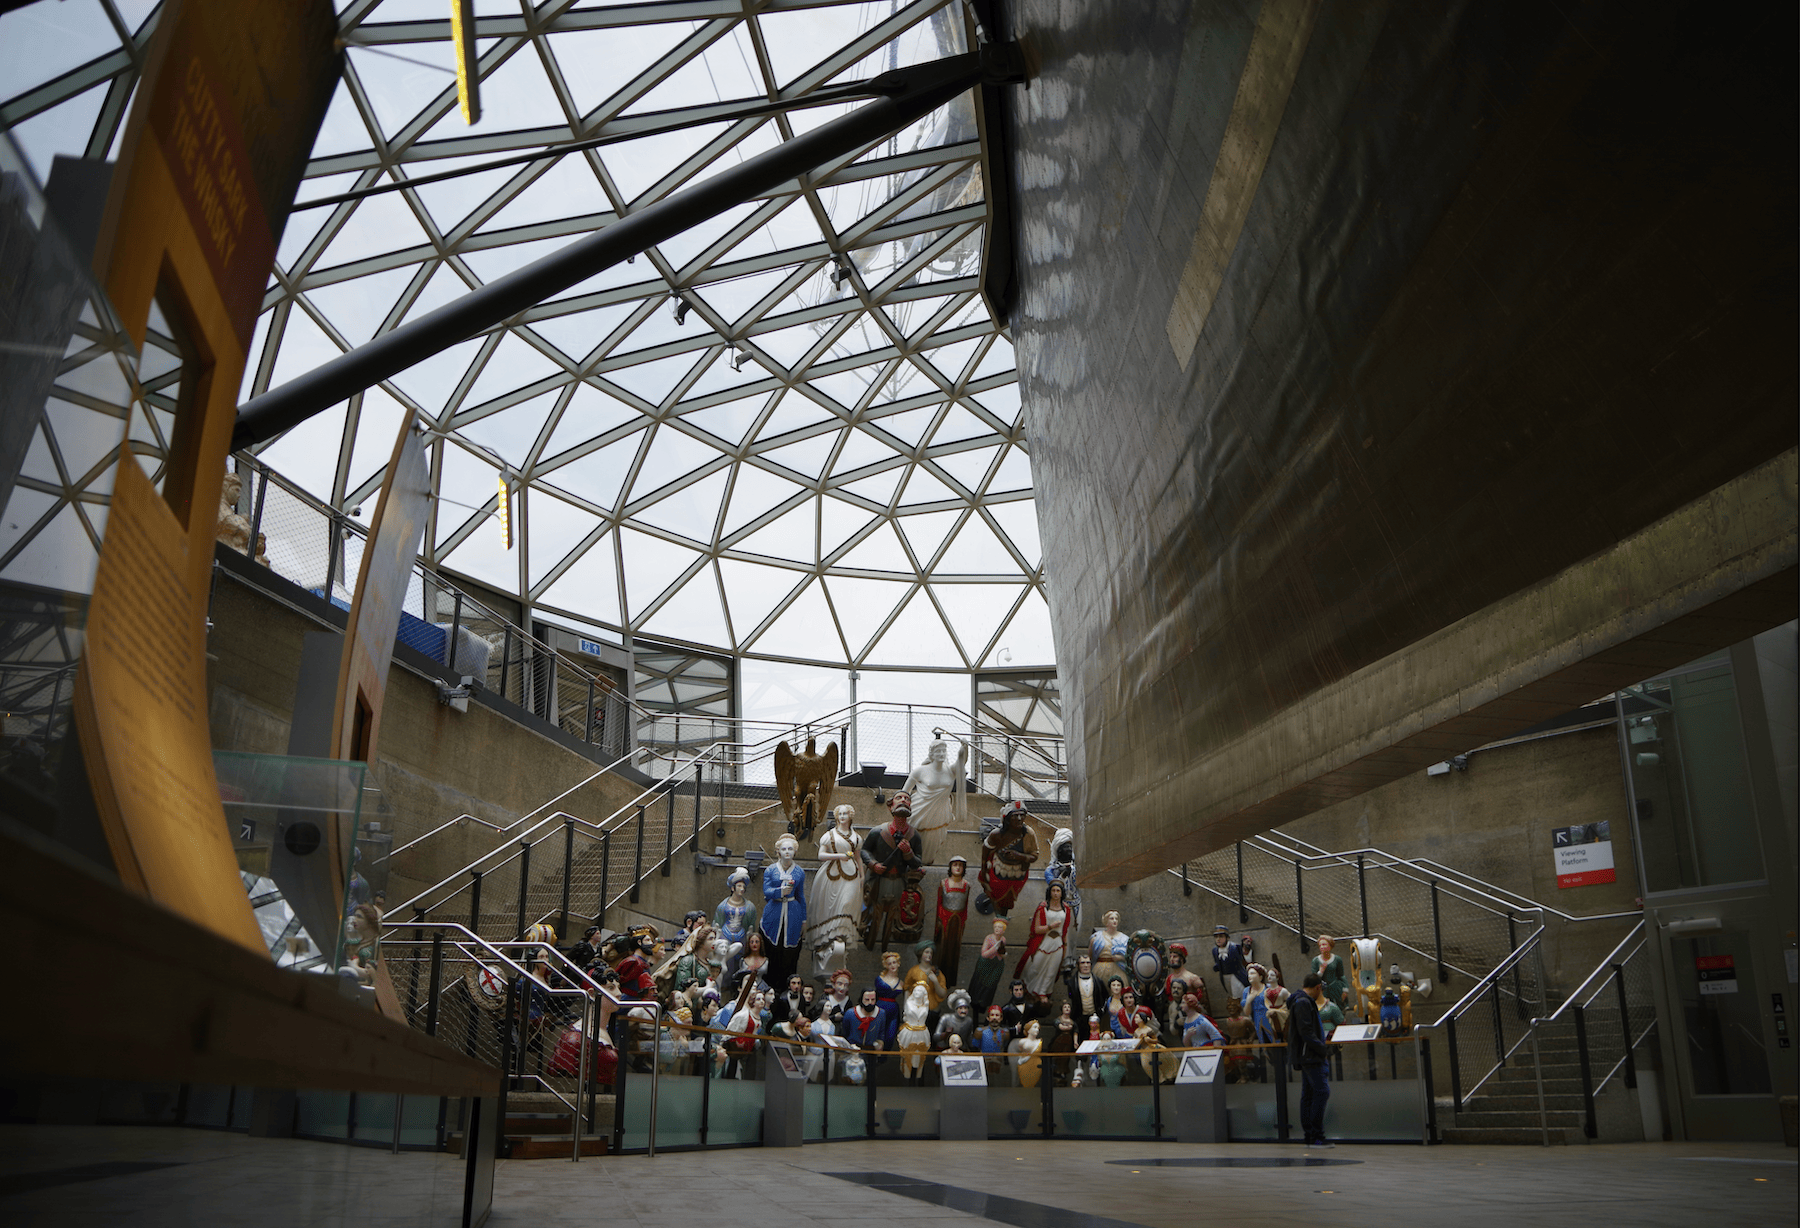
[
  {"x": 868, "y": 1065},
  {"x": 1499, "y": 1029},
  {"x": 1455, "y": 1070},
  {"x": 1437, "y": 933},
  {"x": 505, "y": 661},
  {"x": 1424, "y": 1059},
  {"x": 637, "y": 872},
  {"x": 475, "y": 902},
  {"x": 706, "y": 1066},
  {"x": 1155, "y": 1088},
  {"x": 622, "y": 1042},
  {"x": 1243, "y": 913},
  {"x": 1187, "y": 884},
  {"x": 262, "y": 493},
  {"x": 508, "y": 1022},
  {"x": 524, "y": 883},
  {"x": 568, "y": 873},
  {"x": 1362, "y": 892},
  {"x": 436, "y": 983},
  {"x": 412, "y": 982},
  {"x": 1300, "y": 903},
  {"x": 590, "y": 713},
  {"x": 1047, "y": 1094},
  {"x": 1512, "y": 943},
  {"x": 669, "y": 832},
  {"x": 699, "y": 787},
  {"x": 1625, "y": 1024},
  {"x": 455, "y": 630},
  {"x": 605, "y": 869},
  {"x": 1589, "y": 1125}
]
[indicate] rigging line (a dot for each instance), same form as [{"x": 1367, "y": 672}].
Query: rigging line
[
  {"x": 820, "y": 98},
  {"x": 404, "y": 59}
]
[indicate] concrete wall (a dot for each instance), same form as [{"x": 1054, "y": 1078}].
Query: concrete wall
[{"x": 434, "y": 763}]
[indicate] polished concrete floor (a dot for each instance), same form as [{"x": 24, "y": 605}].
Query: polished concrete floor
[
  {"x": 150, "y": 1176},
  {"x": 1083, "y": 1185}
]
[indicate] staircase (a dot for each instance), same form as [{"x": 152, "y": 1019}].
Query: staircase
[
  {"x": 1505, "y": 1110},
  {"x": 538, "y": 1127}
]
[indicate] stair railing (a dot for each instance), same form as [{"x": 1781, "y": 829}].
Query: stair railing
[
  {"x": 1609, "y": 973},
  {"x": 1493, "y": 988}
]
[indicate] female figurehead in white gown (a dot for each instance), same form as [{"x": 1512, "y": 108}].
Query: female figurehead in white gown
[{"x": 936, "y": 787}]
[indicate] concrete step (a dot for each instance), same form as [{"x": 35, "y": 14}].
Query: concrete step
[
  {"x": 1525, "y": 1102},
  {"x": 1478, "y": 1119},
  {"x": 1518, "y": 1136}
]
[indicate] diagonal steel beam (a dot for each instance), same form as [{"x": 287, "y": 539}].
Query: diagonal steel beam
[{"x": 909, "y": 94}]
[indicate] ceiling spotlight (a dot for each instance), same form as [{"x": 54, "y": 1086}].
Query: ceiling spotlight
[
  {"x": 841, "y": 273},
  {"x": 739, "y": 358},
  {"x": 681, "y": 310}
]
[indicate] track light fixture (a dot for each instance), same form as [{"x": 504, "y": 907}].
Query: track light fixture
[
  {"x": 681, "y": 310},
  {"x": 739, "y": 358},
  {"x": 841, "y": 273}
]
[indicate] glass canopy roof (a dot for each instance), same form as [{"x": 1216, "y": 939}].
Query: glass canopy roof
[{"x": 792, "y": 433}]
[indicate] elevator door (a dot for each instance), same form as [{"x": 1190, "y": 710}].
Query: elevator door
[{"x": 1718, "y": 989}]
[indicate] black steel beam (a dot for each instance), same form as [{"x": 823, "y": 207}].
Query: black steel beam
[{"x": 908, "y": 94}]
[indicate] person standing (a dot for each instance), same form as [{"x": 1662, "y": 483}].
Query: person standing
[{"x": 1306, "y": 1049}]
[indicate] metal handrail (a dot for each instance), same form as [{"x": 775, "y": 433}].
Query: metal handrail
[
  {"x": 593, "y": 988},
  {"x": 471, "y": 818},
  {"x": 1604, "y": 966},
  {"x": 1492, "y": 981},
  {"x": 1612, "y": 965}
]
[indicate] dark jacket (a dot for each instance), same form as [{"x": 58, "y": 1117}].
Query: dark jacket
[{"x": 1306, "y": 1034}]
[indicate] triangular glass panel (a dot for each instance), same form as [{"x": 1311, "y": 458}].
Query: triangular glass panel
[
  {"x": 792, "y": 414},
  {"x": 974, "y": 310},
  {"x": 303, "y": 224},
  {"x": 483, "y": 556},
  {"x": 512, "y": 431},
  {"x": 431, "y": 381},
  {"x": 653, "y": 380},
  {"x": 794, "y": 226},
  {"x": 860, "y": 449},
  {"x": 921, "y": 487},
  {"x": 596, "y": 64},
  {"x": 975, "y": 611},
  {"x": 307, "y": 454},
  {"x": 918, "y": 637},
  {"x": 721, "y": 73},
  {"x": 804, "y": 629},
  {"x": 848, "y": 388},
  {"x": 514, "y": 363},
  {"x": 908, "y": 426},
  {"x": 910, "y": 316},
  {"x": 379, "y": 225},
  {"x": 998, "y": 358},
  {"x": 514, "y": 95},
  {"x": 598, "y": 475},
  {"x": 1014, "y": 473},
  {"x": 356, "y": 308},
  {"x": 951, "y": 359},
  {"x": 788, "y": 345},
  {"x": 1027, "y": 636},
  {"x": 1002, "y": 402},
  {"x": 673, "y": 453},
  {"x": 578, "y": 333},
  {"x": 863, "y": 605},
  {"x": 799, "y": 40},
  {"x": 808, "y": 457},
  {"x": 651, "y": 565},
  {"x": 848, "y": 203},
  {"x": 452, "y": 200},
  {"x": 304, "y": 346},
  {"x": 682, "y": 249},
  {"x": 838, "y": 523},
  {"x": 590, "y": 588},
  {"x": 976, "y": 551},
  {"x": 878, "y": 488},
  {"x": 790, "y": 536},
  {"x": 691, "y": 511},
  {"x": 755, "y": 493},
  {"x": 693, "y": 614},
  {"x": 969, "y": 468},
  {"x": 730, "y": 421},
  {"x": 343, "y": 130},
  {"x": 589, "y": 413},
  {"x": 567, "y": 189},
  {"x": 445, "y": 286},
  {"x": 925, "y": 533},
  {"x": 731, "y": 299},
  {"x": 879, "y": 551},
  {"x": 397, "y": 90},
  {"x": 752, "y": 590},
  {"x": 1019, "y": 522},
  {"x": 555, "y": 528},
  {"x": 636, "y": 166},
  {"x": 960, "y": 424}
]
